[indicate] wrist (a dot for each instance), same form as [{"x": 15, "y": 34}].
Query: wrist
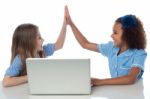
[
  {"x": 71, "y": 23},
  {"x": 64, "y": 23},
  {"x": 102, "y": 82}
]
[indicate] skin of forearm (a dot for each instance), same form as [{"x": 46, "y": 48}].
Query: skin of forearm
[
  {"x": 12, "y": 81},
  {"x": 80, "y": 38},
  {"x": 118, "y": 81},
  {"x": 61, "y": 39}
]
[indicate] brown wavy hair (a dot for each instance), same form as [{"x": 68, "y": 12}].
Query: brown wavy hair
[
  {"x": 23, "y": 44},
  {"x": 133, "y": 31}
]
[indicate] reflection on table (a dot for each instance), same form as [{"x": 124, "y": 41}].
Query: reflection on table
[{"x": 101, "y": 92}]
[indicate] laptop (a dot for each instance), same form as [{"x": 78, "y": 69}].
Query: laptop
[{"x": 58, "y": 76}]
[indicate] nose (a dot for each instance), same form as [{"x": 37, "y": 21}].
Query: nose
[
  {"x": 42, "y": 40},
  {"x": 111, "y": 35}
]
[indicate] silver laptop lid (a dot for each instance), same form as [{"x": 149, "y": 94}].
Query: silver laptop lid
[{"x": 58, "y": 76}]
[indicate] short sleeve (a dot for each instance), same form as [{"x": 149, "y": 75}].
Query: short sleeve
[
  {"x": 49, "y": 49},
  {"x": 105, "y": 49},
  {"x": 15, "y": 68},
  {"x": 139, "y": 60}
]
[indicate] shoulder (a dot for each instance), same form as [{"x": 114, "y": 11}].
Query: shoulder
[
  {"x": 107, "y": 48},
  {"x": 49, "y": 49},
  {"x": 138, "y": 52},
  {"x": 17, "y": 60},
  {"x": 109, "y": 44},
  {"x": 15, "y": 68}
]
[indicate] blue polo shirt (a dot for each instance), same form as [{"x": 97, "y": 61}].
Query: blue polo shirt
[
  {"x": 15, "y": 68},
  {"x": 121, "y": 65}
]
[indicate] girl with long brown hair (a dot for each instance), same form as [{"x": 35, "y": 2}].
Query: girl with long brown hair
[{"x": 27, "y": 43}]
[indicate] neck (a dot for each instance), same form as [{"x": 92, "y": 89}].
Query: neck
[
  {"x": 36, "y": 54},
  {"x": 122, "y": 49}
]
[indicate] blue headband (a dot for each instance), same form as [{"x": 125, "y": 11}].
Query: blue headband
[{"x": 128, "y": 21}]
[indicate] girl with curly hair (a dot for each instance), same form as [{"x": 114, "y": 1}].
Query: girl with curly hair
[{"x": 126, "y": 54}]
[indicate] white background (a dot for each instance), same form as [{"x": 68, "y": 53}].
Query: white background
[{"x": 94, "y": 18}]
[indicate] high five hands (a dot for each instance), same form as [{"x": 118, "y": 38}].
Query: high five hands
[{"x": 67, "y": 16}]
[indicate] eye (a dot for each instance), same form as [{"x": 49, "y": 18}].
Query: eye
[
  {"x": 114, "y": 32},
  {"x": 39, "y": 37}
]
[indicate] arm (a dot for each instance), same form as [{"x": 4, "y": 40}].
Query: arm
[
  {"x": 124, "y": 80},
  {"x": 82, "y": 40},
  {"x": 12, "y": 81},
  {"x": 78, "y": 35},
  {"x": 11, "y": 77},
  {"x": 61, "y": 39}
]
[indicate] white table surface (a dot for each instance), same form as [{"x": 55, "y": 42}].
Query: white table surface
[{"x": 135, "y": 91}]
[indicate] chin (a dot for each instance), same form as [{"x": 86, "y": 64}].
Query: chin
[
  {"x": 116, "y": 44},
  {"x": 41, "y": 49}
]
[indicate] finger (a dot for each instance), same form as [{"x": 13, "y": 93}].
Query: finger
[
  {"x": 65, "y": 14},
  {"x": 67, "y": 11}
]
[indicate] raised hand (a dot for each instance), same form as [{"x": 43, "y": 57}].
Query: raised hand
[
  {"x": 61, "y": 39},
  {"x": 78, "y": 35},
  {"x": 67, "y": 15}
]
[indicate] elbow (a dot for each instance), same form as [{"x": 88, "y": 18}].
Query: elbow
[
  {"x": 131, "y": 81},
  {"x": 58, "y": 46},
  {"x": 61, "y": 46},
  {"x": 4, "y": 83},
  {"x": 85, "y": 45}
]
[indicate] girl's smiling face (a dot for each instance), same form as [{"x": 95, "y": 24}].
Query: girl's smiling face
[
  {"x": 39, "y": 42},
  {"x": 117, "y": 34}
]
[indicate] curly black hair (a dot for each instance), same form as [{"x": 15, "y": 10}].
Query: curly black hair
[{"x": 133, "y": 31}]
